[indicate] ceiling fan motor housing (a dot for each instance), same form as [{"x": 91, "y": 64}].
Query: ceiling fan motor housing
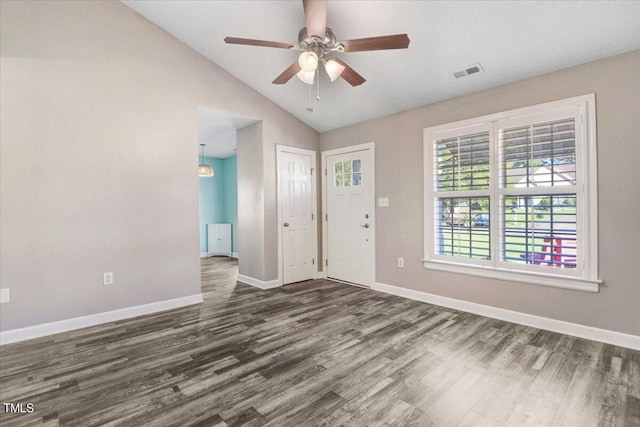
[{"x": 317, "y": 45}]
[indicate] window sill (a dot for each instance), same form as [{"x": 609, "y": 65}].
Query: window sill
[{"x": 556, "y": 281}]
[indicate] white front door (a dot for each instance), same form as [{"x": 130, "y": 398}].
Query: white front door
[
  {"x": 297, "y": 204},
  {"x": 350, "y": 217}
]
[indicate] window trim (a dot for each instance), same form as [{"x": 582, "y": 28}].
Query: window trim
[{"x": 584, "y": 278}]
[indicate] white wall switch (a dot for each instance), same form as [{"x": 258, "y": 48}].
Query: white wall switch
[
  {"x": 383, "y": 202},
  {"x": 401, "y": 262},
  {"x": 4, "y": 295},
  {"x": 107, "y": 278}
]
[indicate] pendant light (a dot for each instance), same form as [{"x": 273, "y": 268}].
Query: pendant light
[{"x": 204, "y": 170}]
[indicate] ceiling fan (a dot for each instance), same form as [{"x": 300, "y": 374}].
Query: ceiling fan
[{"x": 317, "y": 42}]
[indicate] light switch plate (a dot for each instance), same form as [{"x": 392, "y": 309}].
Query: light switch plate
[
  {"x": 107, "y": 278},
  {"x": 383, "y": 202}
]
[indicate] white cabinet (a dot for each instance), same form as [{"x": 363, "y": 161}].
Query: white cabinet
[{"x": 219, "y": 239}]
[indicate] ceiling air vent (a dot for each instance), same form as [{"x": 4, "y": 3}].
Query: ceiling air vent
[{"x": 476, "y": 68}]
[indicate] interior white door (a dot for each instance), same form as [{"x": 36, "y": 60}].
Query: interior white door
[
  {"x": 351, "y": 255},
  {"x": 298, "y": 242}
]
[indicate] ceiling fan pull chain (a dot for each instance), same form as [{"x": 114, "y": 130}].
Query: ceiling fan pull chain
[
  {"x": 309, "y": 107},
  {"x": 318, "y": 87}
]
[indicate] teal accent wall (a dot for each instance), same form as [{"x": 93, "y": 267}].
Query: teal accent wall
[{"x": 219, "y": 198}]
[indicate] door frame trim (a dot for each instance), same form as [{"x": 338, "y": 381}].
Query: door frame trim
[
  {"x": 372, "y": 190},
  {"x": 280, "y": 149}
]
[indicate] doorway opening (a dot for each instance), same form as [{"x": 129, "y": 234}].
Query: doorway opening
[{"x": 218, "y": 194}]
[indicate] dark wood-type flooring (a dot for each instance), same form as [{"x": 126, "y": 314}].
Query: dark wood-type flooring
[{"x": 316, "y": 353}]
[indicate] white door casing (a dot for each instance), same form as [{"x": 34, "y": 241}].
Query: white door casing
[
  {"x": 348, "y": 200},
  {"x": 297, "y": 234}
]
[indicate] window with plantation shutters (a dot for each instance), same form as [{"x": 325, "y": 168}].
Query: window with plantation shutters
[{"x": 513, "y": 195}]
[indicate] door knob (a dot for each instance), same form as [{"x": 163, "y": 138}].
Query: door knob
[
  {"x": 286, "y": 224},
  {"x": 365, "y": 226}
]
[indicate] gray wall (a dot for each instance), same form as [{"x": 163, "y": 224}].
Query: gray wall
[
  {"x": 99, "y": 155},
  {"x": 250, "y": 202},
  {"x": 399, "y": 168}
]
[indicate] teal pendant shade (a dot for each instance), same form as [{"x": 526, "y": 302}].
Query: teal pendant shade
[{"x": 204, "y": 170}]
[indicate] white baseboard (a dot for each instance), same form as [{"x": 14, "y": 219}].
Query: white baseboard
[
  {"x": 37, "y": 331},
  {"x": 320, "y": 275},
  {"x": 234, "y": 254},
  {"x": 259, "y": 283},
  {"x": 560, "y": 326},
  {"x": 203, "y": 254}
]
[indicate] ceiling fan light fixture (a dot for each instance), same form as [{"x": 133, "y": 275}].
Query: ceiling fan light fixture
[
  {"x": 306, "y": 76},
  {"x": 315, "y": 40},
  {"x": 333, "y": 68},
  {"x": 308, "y": 61}
]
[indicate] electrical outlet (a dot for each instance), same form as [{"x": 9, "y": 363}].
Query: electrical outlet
[
  {"x": 401, "y": 262},
  {"x": 4, "y": 295},
  {"x": 107, "y": 278}
]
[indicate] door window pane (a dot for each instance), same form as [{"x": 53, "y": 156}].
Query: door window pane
[
  {"x": 357, "y": 179},
  {"x": 347, "y": 173}
]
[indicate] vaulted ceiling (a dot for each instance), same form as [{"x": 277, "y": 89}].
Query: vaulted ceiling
[{"x": 510, "y": 40}]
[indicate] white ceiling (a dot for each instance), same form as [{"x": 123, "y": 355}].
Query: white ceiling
[
  {"x": 511, "y": 40},
  {"x": 217, "y": 130}
]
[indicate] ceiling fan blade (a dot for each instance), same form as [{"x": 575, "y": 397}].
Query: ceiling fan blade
[
  {"x": 350, "y": 75},
  {"x": 286, "y": 75},
  {"x": 396, "y": 41},
  {"x": 252, "y": 42},
  {"x": 315, "y": 13}
]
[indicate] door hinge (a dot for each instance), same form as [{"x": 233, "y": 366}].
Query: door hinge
[
  {"x": 312, "y": 169},
  {"x": 313, "y": 261},
  {"x": 326, "y": 262},
  {"x": 325, "y": 172},
  {"x": 311, "y": 217},
  {"x": 326, "y": 217}
]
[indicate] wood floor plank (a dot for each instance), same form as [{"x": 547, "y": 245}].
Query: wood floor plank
[
  {"x": 474, "y": 419},
  {"x": 316, "y": 353}
]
